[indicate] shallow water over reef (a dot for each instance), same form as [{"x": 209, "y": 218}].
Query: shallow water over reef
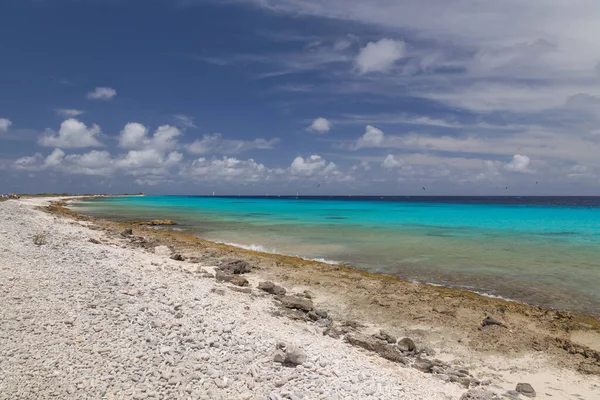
[{"x": 542, "y": 250}]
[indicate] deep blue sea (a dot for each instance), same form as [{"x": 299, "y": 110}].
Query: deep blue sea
[{"x": 538, "y": 250}]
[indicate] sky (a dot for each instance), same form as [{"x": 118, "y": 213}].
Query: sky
[{"x": 396, "y": 97}]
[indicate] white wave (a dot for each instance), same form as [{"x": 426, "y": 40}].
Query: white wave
[
  {"x": 262, "y": 249},
  {"x": 484, "y": 294}
]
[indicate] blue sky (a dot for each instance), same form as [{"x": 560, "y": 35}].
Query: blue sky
[{"x": 311, "y": 96}]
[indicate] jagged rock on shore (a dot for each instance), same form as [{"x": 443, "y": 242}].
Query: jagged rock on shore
[
  {"x": 385, "y": 350},
  {"x": 489, "y": 321},
  {"x": 236, "y": 267},
  {"x": 296, "y": 303},
  {"x": 526, "y": 389},
  {"x": 177, "y": 257},
  {"x": 289, "y": 354},
  {"x": 272, "y": 288},
  {"x": 383, "y": 335},
  {"x": 407, "y": 345},
  {"x": 423, "y": 365}
]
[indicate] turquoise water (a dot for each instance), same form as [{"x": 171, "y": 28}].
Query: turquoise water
[{"x": 539, "y": 251}]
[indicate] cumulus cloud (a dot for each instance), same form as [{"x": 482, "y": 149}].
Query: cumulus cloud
[
  {"x": 93, "y": 163},
  {"x": 69, "y": 112},
  {"x": 519, "y": 163},
  {"x": 215, "y": 144},
  {"x": 320, "y": 125},
  {"x": 390, "y": 161},
  {"x": 55, "y": 158},
  {"x": 184, "y": 121},
  {"x": 310, "y": 166},
  {"x": 380, "y": 56},
  {"x": 373, "y": 137},
  {"x": 135, "y": 136},
  {"x": 102, "y": 93},
  {"x": 226, "y": 169},
  {"x": 72, "y": 134},
  {"x": 29, "y": 163},
  {"x": 4, "y": 124}
]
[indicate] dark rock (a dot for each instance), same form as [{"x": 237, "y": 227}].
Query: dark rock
[
  {"x": 308, "y": 294},
  {"x": 479, "y": 394},
  {"x": 178, "y": 257},
  {"x": 353, "y": 324},
  {"x": 380, "y": 347},
  {"x": 322, "y": 314},
  {"x": 289, "y": 354},
  {"x": 246, "y": 290},
  {"x": 222, "y": 276},
  {"x": 206, "y": 275},
  {"x": 236, "y": 267},
  {"x": 428, "y": 351},
  {"x": 95, "y": 241},
  {"x": 526, "y": 389},
  {"x": 295, "y": 315},
  {"x": 488, "y": 321},
  {"x": 407, "y": 345},
  {"x": 127, "y": 232},
  {"x": 239, "y": 281},
  {"x": 324, "y": 322},
  {"x": 313, "y": 315},
  {"x": 297, "y": 303},
  {"x": 465, "y": 381},
  {"x": 390, "y": 352},
  {"x": 333, "y": 332},
  {"x": 423, "y": 365},
  {"x": 272, "y": 288},
  {"x": 386, "y": 337}
]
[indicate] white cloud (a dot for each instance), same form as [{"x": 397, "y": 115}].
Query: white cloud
[
  {"x": 484, "y": 56},
  {"x": 519, "y": 163},
  {"x": 165, "y": 137},
  {"x": 93, "y": 163},
  {"x": 29, "y": 163},
  {"x": 380, "y": 56},
  {"x": 134, "y": 159},
  {"x": 69, "y": 112},
  {"x": 55, "y": 158},
  {"x": 4, "y": 124},
  {"x": 215, "y": 144},
  {"x": 226, "y": 169},
  {"x": 320, "y": 125},
  {"x": 184, "y": 121},
  {"x": 391, "y": 162},
  {"x": 373, "y": 137},
  {"x": 314, "y": 165},
  {"x": 72, "y": 134},
  {"x": 135, "y": 136},
  {"x": 102, "y": 93}
]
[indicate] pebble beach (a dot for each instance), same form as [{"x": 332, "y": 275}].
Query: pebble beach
[{"x": 88, "y": 316}]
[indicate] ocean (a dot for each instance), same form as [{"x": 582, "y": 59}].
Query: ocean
[{"x": 538, "y": 250}]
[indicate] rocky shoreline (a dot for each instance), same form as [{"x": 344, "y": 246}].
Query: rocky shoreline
[{"x": 197, "y": 309}]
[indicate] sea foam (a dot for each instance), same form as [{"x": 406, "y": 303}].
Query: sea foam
[{"x": 262, "y": 249}]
